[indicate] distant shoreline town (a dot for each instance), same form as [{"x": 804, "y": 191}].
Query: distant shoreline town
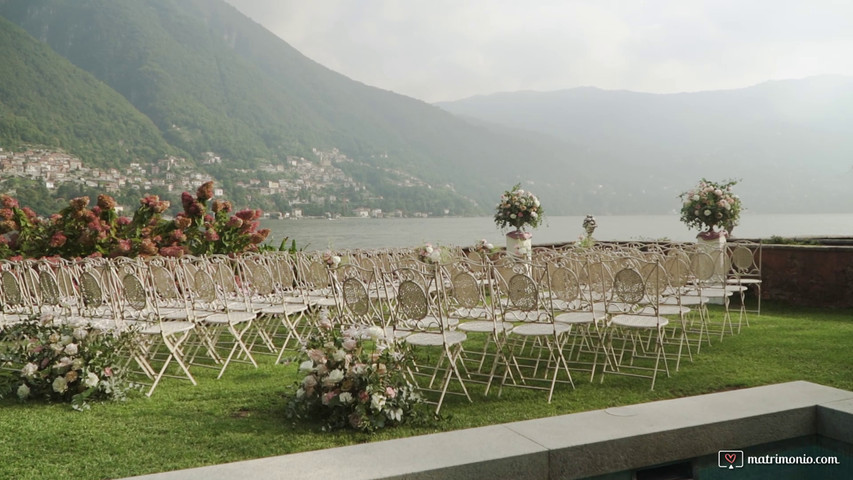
[{"x": 300, "y": 188}]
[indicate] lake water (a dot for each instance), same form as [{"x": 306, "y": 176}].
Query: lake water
[{"x": 344, "y": 233}]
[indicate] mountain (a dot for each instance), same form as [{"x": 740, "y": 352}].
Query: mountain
[
  {"x": 46, "y": 100},
  {"x": 790, "y": 142},
  {"x": 212, "y": 80},
  {"x": 122, "y": 81}
]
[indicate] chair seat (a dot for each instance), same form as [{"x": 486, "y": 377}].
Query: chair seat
[
  {"x": 638, "y": 321},
  {"x": 429, "y": 339},
  {"x": 716, "y": 292},
  {"x": 691, "y": 300},
  {"x": 395, "y": 333},
  {"x": 172, "y": 313},
  {"x": 743, "y": 281},
  {"x": 104, "y": 324},
  {"x": 477, "y": 312},
  {"x": 579, "y": 317},
  {"x": 321, "y": 301},
  {"x": 483, "y": 326},
  {"x": 292, "y": 299},
  {"x": 665, "y": 310},
  {"x": 287, "y": 308},
  {"x": 166, "y": 328},
  {"x": 540, "y": 329},
  {"x": 223, "y": 318},
  {"x": 238, "y": 306}
]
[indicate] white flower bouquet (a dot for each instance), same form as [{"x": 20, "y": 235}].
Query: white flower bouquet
[
  {"x": 483, "y": 246},
  {"x": 58, "y": 361},
  {"x": 346, "y": 386},
  {"x": 330, "y": 259},
  {"x": 517, "y": 209},
  {"x": 428, "y": 253},
  {"x": 709, "y": 206}
]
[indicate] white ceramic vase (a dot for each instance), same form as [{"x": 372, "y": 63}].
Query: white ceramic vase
[
  {"x": 714, "y": 244},
  {"x": 520, "y": 244}
]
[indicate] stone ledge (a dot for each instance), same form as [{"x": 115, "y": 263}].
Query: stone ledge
[
  {"x": 835, "y": 420},
  {"x": 572, "y": 446}
]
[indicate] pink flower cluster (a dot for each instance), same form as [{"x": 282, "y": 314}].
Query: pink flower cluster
[{"x": 79, "y": 231}]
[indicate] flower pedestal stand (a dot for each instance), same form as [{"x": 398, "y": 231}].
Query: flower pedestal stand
[
  {"x": 519, "y": 244},
  {"x": 714, "y": 244}
]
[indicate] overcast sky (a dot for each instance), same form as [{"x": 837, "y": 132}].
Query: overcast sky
[{"x": 438, "y": 50}]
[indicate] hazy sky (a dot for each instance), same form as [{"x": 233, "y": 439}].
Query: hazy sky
[{"x": 437, "y": 50}]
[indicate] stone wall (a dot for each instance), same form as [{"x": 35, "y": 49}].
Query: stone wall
[{"x": 808, "y": 275}]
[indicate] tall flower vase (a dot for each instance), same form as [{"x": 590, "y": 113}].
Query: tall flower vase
[
  {"x": 519, "y": 244},
  {"x": 714, "y": 244}
]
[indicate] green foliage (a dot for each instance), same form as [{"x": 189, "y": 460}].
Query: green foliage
[
  {"x": 241, "y": 416},
  {"x": 779, "y": 240},
  {"x": 45, "y": 100}
]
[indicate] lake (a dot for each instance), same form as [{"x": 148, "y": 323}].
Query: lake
[{"x": 345, "y": 233}]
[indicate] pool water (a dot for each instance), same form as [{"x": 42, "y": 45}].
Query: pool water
[
  {"x": 768, "y": 461},
  {"x": 707, "y": 467}
]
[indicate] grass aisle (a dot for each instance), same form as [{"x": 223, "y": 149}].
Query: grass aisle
[{"x": 242, "y": 415}]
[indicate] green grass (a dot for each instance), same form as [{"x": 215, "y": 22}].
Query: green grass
[{"x": 242, "y": 415}]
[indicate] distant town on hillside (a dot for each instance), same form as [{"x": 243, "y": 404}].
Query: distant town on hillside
[{"x": 299, "y": 187}]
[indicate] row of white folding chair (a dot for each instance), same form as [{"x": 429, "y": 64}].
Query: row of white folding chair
[{"x": 586, "y": 282}]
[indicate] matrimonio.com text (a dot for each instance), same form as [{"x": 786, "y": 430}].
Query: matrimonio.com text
[{"x": 732, "y": 459}]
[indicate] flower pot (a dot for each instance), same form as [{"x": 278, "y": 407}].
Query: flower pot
[{"x": 520, "y": 244}]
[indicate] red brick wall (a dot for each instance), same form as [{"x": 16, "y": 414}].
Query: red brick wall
[{"x": 820, "y": 276}]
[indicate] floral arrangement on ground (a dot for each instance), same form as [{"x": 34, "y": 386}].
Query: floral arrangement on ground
[
  {"x": 484, "y": 247},
  {"x": 330, "y": 259},
  {"x": 711, "y": 205},
  {"x": 348, "y": 386},
  {"x": 517, "y": 209},
  {"x": 45, "y": 359},
  {"x": 433, "y": 254}
]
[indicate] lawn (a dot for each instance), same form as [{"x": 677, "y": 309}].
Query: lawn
[{"x": 241, "y": 416}]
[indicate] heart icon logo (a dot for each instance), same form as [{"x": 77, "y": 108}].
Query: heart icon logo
[{"x": 731, "y": 457}]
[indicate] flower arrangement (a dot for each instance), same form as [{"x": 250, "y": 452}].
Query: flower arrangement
[
  {"x": 484, "y": 247},
  {"x": 204, "y": 227},
  {"x": 330, "y": 259},
  {"x": 711, "y": 205},
  {"x": 518, "y": 208},
  {"x": 428, "y": 253},
  {"x": 63, "y": 362},
  {"x": 347, "y": 386}
]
